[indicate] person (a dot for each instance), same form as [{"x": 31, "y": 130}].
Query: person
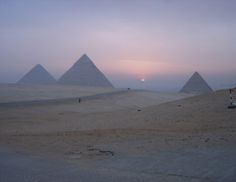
[{"x": 79, "y": 100}]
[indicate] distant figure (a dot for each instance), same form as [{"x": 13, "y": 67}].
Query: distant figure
[{"x": 79, "y": 100}]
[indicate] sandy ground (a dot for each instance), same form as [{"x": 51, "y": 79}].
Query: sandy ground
[
  {"x": 191, "y": 139},
  {"x": 21, "y": 92}
]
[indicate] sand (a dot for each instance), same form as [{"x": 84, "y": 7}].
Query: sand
[
  {"x": 165, "y": 135},
  {"x": 22, "y": 92}
]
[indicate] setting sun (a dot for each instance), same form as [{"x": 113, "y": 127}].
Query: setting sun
[{"x": 142, "y": 79}]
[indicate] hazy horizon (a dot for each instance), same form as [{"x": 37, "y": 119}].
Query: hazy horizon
[{"x": 161, "y": 41}]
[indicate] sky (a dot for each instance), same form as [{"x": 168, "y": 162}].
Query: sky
[{"x": 152, "y": 44}]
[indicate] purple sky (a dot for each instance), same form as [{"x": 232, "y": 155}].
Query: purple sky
[{"x": 162, "y": 41}]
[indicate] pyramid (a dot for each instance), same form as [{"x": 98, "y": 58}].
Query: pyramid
[
  {"x": 37, "y": 75},
  {"x": 196, "y": 85},
  {"x": 85, "y": 73}
]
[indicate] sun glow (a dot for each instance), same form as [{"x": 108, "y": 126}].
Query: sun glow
[
  {"x": 134, "y": 67},
  {"x": 138, "y": 69}
]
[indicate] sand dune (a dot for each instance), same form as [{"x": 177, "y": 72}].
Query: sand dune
[
  {"x": 138, "y": 131},
  {"x": 127, "y": 110},
  {"x": 21, "y": 92},
  {"x": 105, "y": 99}
]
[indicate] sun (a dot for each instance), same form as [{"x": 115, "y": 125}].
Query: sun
[{"x": 142, "y": 79}]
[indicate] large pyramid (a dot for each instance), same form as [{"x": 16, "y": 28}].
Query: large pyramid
[
  {"x": 85, "y": 73},
  {"x": 37, "y": 75},
  {"x": 196, "y": 85}
]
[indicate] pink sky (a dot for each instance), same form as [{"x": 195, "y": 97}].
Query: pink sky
[{"x": 136, "y": 39}]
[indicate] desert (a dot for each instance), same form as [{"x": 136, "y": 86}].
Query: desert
[
  {"x": 117, "y": 91},
  {"x": 147, "y": 135}
]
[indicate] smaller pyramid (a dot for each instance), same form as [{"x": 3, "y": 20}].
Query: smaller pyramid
[
  {"x": 85, "y": 73},
  {"x": 196, "y": 85},
  {"x": 37, "y": 75}
]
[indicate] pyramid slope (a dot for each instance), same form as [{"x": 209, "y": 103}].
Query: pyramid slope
[
  {"x": 196, "y": 84},
  {"x": 37, "y": 75},
  {"x": 85, "y": 73}
]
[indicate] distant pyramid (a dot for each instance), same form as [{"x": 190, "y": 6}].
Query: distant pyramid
[
  {"x": 37, "y": 75},
  {"x": 85, "y": 73},
  {"x": 196, "y": 85}
]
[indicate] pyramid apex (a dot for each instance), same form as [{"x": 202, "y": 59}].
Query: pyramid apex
[
  {"x": 38, "y": 66},
  {"x": 85, "y": 57},
  {"x": 196, "y": 73}
]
